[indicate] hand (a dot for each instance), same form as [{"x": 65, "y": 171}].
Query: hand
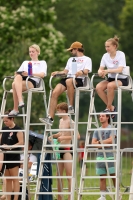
[
  {"x": 105, "y": 72},
  {"x": 60, "y": 138},
  {"x": 54, "y": 73},
  {"x": 24, "y": 73},
  {"x": 50, "y": 138},
  {"x": 5, "y": 146},
  {"x": 79, "y": 73},
  {"x": 101, "y": 73}
]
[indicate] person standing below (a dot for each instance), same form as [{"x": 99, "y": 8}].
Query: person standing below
[
  {"x": 31, "y": 158},
  {"x": 9, "y": 140},
  {"x": 39, "y": 69},
  {"x": 84, "y": 66},
  {"x": 107, "y": 137},
  {"x": 115, "y": 62},
  {"x": 81, "y": 153},
  {"x": 64, "y": 138}
]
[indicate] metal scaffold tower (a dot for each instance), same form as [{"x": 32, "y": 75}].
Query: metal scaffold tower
[
  {"x": 49, "y": 130},
  {"x": 114, "y": 193},
  {"x": 26, "y": 116},
  {"x": 76, "y": 191}
]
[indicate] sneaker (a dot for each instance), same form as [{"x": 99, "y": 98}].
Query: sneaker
[
  {"x": 102, "y": 198},
  {"x": 13, "y": 113},
  {"x": 21, "y": 105},
  {"x": 70, "y": 110},
  {"x": 46, "y": 121}
]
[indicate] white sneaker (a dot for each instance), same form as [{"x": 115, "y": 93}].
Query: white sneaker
[
  {"x": 46, "y": 121},
  {"x": 102, "y": 198},
  {"x": 70, "y": 110}
]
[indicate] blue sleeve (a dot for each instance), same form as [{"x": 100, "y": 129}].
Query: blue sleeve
[{"x": 95, "y": 135}]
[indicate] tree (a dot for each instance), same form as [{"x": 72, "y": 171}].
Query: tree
[
  {"x": 23, "y": 23},
  {"x": 126, "y": 29},
  {"x": 90, "y": 22}
]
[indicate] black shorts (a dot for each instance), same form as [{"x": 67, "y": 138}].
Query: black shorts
[
  {"x": 79, "y": 82},
  {"x": 31, "y": 80},
  {"x": 12, "y": 157},
  {"x": 123, "y": 80},
  {"x": 62, "y": 154}
]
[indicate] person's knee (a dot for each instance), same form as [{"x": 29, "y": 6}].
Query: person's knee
[
  {"x": 69, "y": 82},
  {"x": 55, "y": 94},
  {"x": 98, "y": 87},
  {"x": 17, "y": 78},
  {"x": 110, "y": 86},
  {"x": 13, "y": 84}
]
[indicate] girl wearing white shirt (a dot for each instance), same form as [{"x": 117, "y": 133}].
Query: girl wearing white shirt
[
  {"x": 115, "y": 62},
  {"x": 39, "y": 69}
]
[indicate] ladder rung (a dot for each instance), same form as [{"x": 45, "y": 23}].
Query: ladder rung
[
  {"x": 107, "y": 113},
  {"x": 19, "y": 115},
  {"x": 57, "y": 130},
  {"x": 95, "y": 193},
  {"x": 102, "y": 129},
  {"x": 93, "y": 161},
  {"x": 63, "y": 114},
  {"x": 20, "y": 130},
  {"x": 97, "y": 177},
  {"x": 56, "y": 161},
  {"x": 53, "y": 193},
  {"x": 102, "y": 145},
  {"x": 53, "y": 177}
]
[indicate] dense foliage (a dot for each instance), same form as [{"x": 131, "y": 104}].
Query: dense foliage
[{"x": 54, "y": 25}]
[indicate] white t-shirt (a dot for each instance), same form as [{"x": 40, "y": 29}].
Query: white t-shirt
[
  {"x": 118, "y": 61},
  {"x": 83, "y": 62},
  {"x": 37, "y": 67},
  {"x": 32, "y": 158}
]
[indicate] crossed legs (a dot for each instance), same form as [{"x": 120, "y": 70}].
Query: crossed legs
[
  {"x": 109, "y": 97},
  {"x": 18, "y": 87}
]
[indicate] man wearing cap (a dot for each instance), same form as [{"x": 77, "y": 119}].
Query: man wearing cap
[{"x": 83, "y": 65}]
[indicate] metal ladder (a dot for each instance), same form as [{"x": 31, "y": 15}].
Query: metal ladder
[
  {"x": 48, "y": 129},
  {"x": 26, "y": 123},
  {"x": 89, "y": 148}
]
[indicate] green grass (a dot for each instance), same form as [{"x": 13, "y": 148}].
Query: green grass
[{"x": 91, "y": 184}]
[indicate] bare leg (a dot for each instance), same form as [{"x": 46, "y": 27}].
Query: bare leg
[
  {"x": 70, "y": 90},
  {"x": 60, "y": 182},
  {"x": 100, "y": 88},
  {"x": 103, "y": 183},
  {"x": 18, "y": 86},
  {"x": 16, "y": 185},
  {"x": 8, "y": 184},
  {"x": 110, "y": 93},
  {"x": 113, "y": 179},
  {"x": 59, "y": 89},
  {"x": 68, "y": 169}
]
